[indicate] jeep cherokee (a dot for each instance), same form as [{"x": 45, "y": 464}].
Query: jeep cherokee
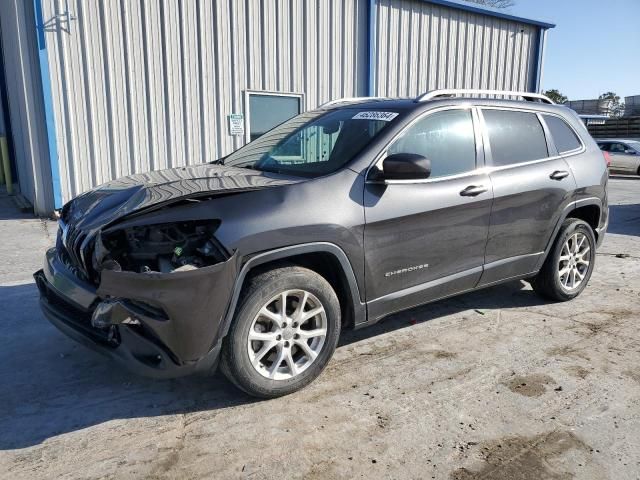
[{"x": 336, "y": 218}]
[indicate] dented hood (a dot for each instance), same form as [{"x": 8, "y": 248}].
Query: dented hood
[{"x": 118, "y": 198}]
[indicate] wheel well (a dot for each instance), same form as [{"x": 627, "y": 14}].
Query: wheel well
[
  {"x": 326, "y": 265},
  {"x": 589, "y": 214}
]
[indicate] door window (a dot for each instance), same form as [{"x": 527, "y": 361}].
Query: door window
[
  {"x": 269, "y": 111},
  {"x": 515, "y": 137},
  {"x": 446, "y": 138},
  {"x": 563, "y": 136},
  {"x": 617, "y": 148}
]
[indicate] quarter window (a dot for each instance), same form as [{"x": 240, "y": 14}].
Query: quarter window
[
  {"x": 446, "y": 138},
  {"x": 564, "y": 138},
  {"x": 515, "y": 137}
]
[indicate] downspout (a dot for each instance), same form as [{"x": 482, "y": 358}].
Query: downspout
[
  {"x": 48, "y": 104},
  {"x": 536, "y": 80},
  {"x": 371, "y": 47},
  {"x": 541, "y": 59}
]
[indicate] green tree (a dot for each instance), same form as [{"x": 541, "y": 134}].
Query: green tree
[
  {"x": 495, "y": 3},
  {"x": 617, "y": 108},
  {"x": 555, "y": 95},
  {"x": 610, "y": 96}
]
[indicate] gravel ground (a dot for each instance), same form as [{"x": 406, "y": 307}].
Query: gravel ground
[{"x": 497, "y": 384}]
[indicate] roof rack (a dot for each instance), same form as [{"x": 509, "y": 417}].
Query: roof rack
[
  {"x": 350, "y": 99},
  {"x": 470, "y": 91}
]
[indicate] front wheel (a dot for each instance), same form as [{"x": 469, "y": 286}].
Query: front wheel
[
  {"x": 569, "y": 265},
  {"x": 284, "y": 333}
]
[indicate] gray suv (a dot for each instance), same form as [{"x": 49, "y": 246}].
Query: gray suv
[{"x": 334, "y": 219}]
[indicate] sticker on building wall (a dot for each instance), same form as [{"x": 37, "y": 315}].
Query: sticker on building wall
[
  {"x": 384, "y": 116},
  {"x": 236, "y": 124}
]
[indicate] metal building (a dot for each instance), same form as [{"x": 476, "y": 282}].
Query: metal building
[{"x": 101, "y": 89}]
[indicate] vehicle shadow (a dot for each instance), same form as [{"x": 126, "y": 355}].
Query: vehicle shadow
[
  {"x": 624, "y": 219},
  {"x": 506, "y": 296},
  {"x": 50, "y": 385}
]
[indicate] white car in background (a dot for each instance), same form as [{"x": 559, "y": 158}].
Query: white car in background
[{"x": 624, "y": 155}]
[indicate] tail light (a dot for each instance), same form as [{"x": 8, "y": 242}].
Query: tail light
[{"x": 607, "y": 158}]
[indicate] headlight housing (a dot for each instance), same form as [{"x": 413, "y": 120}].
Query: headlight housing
[{"x": 163, "y": 247}]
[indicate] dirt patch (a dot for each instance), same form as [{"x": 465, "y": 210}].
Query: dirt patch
[
  {"x": 633, "y": 375},
  {"x": 382, "y": 420},
  {"x": 443, "y": 354},
  {"x": 594, "y": 328},
  {"x": 578, "y": 371},
  {"x": 523, "y": 457},
  {"x": 529, "y": 385},
  {"x": 567, "y": 351}
]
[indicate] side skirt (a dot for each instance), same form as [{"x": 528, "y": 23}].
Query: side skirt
[{"x": 373, "y": 320}]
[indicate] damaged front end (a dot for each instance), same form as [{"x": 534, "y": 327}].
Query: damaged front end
[
  {"x": 138, "y": 271},
  {"x": 164, "y": 248},
  {"x": 154, "y": 296}
]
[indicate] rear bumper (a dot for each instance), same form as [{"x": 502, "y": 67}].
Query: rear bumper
[{"x": 162, "y": 326}]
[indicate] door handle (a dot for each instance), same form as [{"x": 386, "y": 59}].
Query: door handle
[
  {"x": 473, "y": 190},
  {"x": 559, "y": 175}
]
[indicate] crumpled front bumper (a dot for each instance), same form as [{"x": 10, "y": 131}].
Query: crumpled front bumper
[{"x": 157, "y": 324}]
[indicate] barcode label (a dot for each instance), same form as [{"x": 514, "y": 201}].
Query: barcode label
[{"x": 384, "y": 116}]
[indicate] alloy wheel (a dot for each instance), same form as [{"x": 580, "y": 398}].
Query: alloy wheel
[
  {"x": 574, "y": 260},
  {"x": 287, "y": 334}
]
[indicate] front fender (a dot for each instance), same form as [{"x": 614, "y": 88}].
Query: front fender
[{"x": 359, "y": 308}]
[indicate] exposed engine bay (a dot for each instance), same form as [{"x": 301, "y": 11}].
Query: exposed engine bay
[{"x": 164, "y": 248}]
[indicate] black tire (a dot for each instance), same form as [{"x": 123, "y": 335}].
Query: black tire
[
  {"x": 638, "y": 171},
  {"x": 547, "y": 282},
  {"x": 235, "y": 362}
]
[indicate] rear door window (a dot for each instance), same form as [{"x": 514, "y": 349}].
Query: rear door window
[
  {"x": 514, "y": 136},
  {"x": 563, "y": 136}
]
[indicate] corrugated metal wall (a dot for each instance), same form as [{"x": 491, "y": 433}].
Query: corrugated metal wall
[
  {"x": 421, "y": 46},
  {"x": 26, "y": 110},
  {"x": 146, "y": 85}
]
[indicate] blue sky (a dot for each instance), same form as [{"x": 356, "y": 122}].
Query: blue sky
[{"x": 594, "y": 48}]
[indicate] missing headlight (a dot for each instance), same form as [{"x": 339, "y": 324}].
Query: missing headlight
[{"x": 162, "y": 248}]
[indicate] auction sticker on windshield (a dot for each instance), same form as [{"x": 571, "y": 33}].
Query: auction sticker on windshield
[{"x": 384, "y": 116}]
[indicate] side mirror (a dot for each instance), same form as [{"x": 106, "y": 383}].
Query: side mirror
[
  {"x": 405, "y": 166},
  {"x": 630, "y": 151}
]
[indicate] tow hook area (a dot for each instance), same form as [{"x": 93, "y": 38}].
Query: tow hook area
[{"x": 112, "y": 312}]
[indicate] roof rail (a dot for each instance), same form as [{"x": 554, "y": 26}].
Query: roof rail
[
  {"x": 470, "y": 91},
  {"x": 350, "y": 99}
]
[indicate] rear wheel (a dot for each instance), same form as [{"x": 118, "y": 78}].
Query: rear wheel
[
  {"x": 284, "y": 333},
  {"x": 570, "y": 262}
]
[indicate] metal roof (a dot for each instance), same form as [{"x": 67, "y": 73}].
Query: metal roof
[{"x": 492, "y": 12}]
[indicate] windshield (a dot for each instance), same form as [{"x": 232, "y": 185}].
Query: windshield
[
  {"x": 314, "y": 143},
  {"x": 635, "y": 146}
]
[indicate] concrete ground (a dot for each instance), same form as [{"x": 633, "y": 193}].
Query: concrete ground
[{"x": 497, "y": 384}]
